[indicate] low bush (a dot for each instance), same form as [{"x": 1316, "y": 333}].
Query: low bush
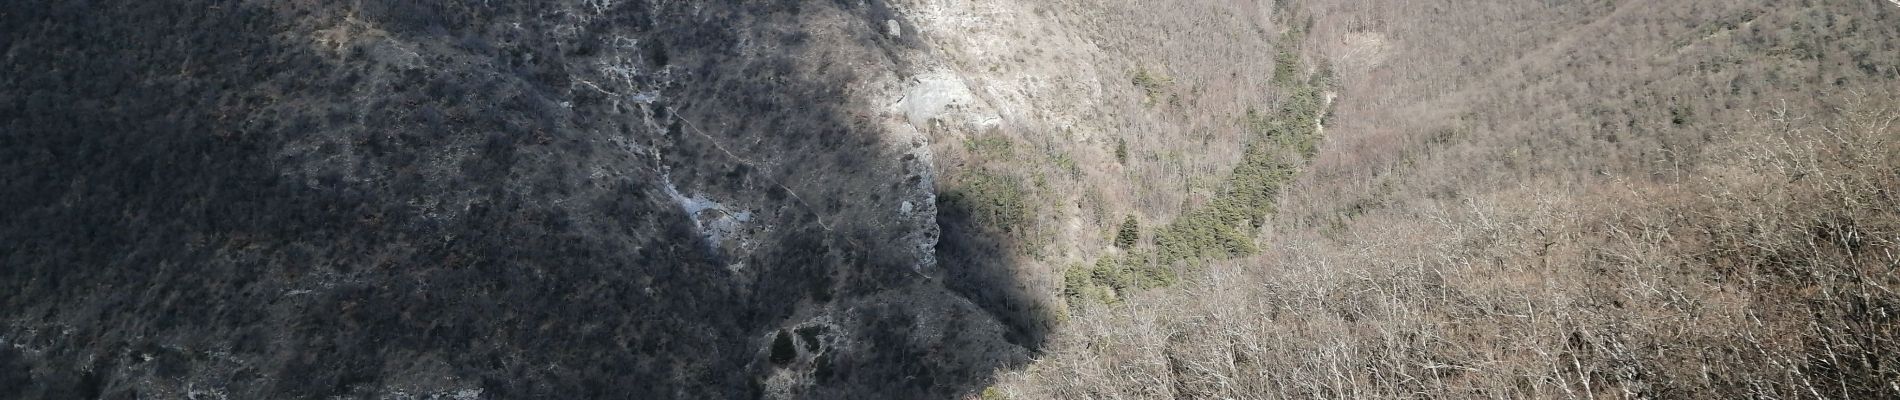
[
  {"x": 994, "y": 200},
  {"x": 1129, "y": 234}
]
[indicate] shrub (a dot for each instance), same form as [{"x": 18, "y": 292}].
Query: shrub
[
  {"x": 1286, "y": 67},
  {"x": 1224, "y": 227},
  {"x": 990, "y": 393},
  {"x": 990, "y": 146},
  {"x": 1152, "y": 85},
  {"x": 1081, "y": 287},
  {"x": 1111, "y": 279},
  {"x": 1121, "y": 150},
  {"x": 993, "y": 200},
  {"x": 1129, "y": 234},
  {"x": 783, "y": 351}
]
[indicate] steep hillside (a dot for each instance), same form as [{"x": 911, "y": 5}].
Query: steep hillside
[
  {"x": 1553, "y": 200},
  {"x": 594, "y": 198},
  {"x": 949, "y": 199},
  {"x": 399, "y": 199}
]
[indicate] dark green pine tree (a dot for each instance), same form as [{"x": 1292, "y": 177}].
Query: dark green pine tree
[{"x": 1129, "y": 234}]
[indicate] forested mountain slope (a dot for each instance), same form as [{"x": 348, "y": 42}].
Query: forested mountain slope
[
  {"x": 949, "y": 199},
  {"x": 1683, "y": 199},
  {"x": 646, "y": 199},
  {"x": 468, "y": 199}
]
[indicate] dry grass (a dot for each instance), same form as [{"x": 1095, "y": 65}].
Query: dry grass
[{"x": 1768, "y": 274}]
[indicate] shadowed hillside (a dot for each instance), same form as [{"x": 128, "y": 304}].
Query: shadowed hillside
[
  {"x": 434, "y": 200},
  {"x": 949, "y": 199}
]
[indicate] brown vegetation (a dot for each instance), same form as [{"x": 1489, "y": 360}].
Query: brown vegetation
[
  {"x": 1551, "y": 200},
  {"x": 1771, "y": 275}
]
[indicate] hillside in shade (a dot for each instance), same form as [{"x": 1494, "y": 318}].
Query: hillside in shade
[{"x": 949, "y": 199}]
